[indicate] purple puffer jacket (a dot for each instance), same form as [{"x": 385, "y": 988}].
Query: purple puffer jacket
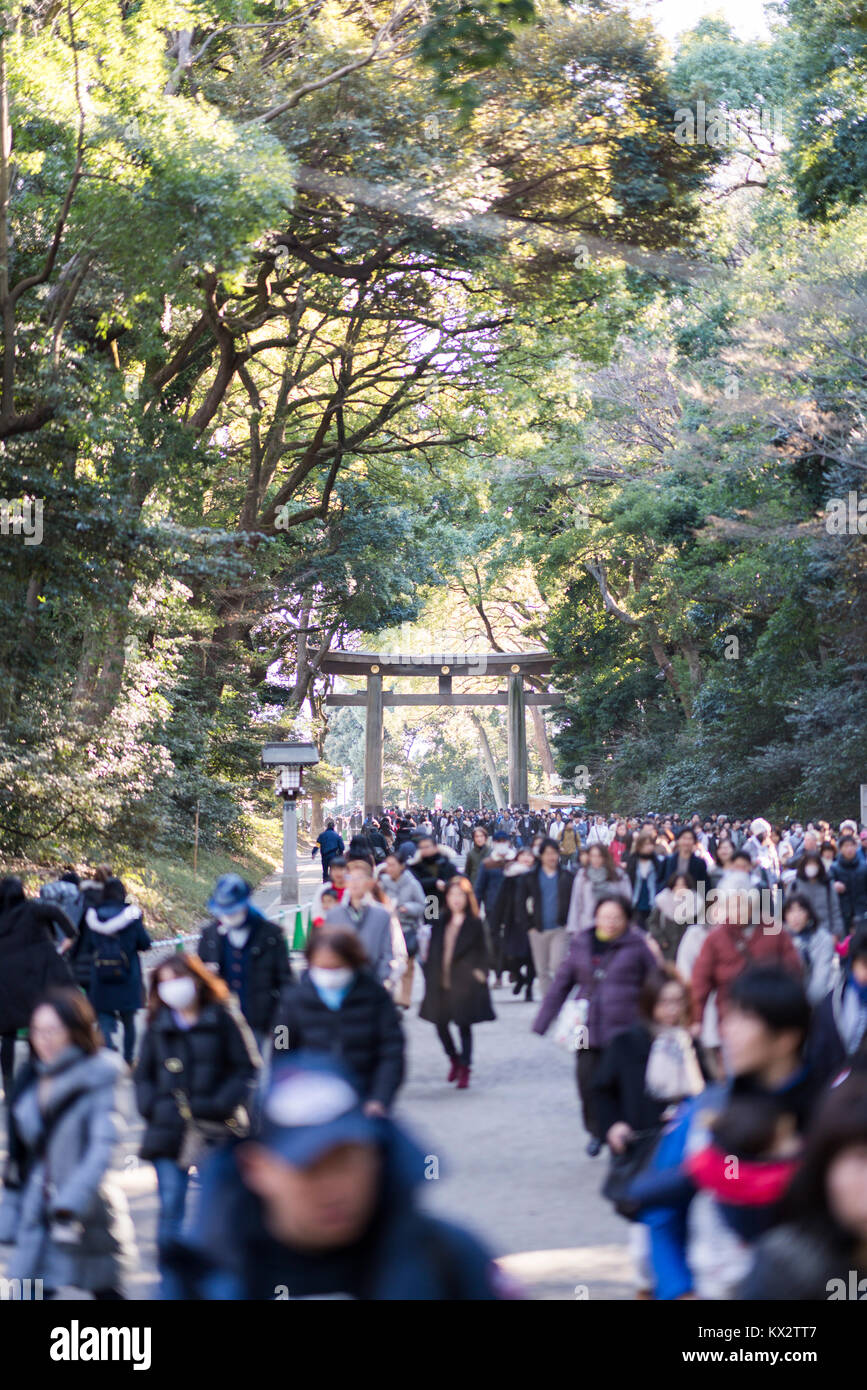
[{"x": 614, "y": 997}]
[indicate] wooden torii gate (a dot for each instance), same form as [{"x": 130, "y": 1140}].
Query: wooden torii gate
[{"x": 377, "y": 665}]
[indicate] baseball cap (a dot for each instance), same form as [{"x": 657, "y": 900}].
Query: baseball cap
[
  {"x": 501, "y": 835},
  {"x": 311, "y": 1107},
  {"x": 230, "y": 891}
]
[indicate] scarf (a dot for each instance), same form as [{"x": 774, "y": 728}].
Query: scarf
[{"x": 672, "y": 1071}]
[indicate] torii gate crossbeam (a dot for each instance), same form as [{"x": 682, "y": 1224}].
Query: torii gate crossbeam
[{"x": 373, "y": 665}]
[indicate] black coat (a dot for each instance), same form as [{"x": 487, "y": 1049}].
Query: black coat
[
  {"x": 529, "y": 907},
  {"x": 218, "y": 1061},
  {"x": 507, "y": 924},
  {"x": 429, "y": 872},
  {"x": 697, "y": 869},
  {"x": 269, "y": 968},
  {"x": 29, "y": 963},
  {"x": 364, "y": 1035},
  {"x": 468, "y": 999},
  {"x": 618, "y": 1081}
]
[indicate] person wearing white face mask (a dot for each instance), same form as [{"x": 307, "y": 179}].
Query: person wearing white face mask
[
  {"x": 812, "y": 881},
  {"x": 193, "y": 1079},
  {"x": 247, "y": 951},
  {"x": 340, "y": 1009}
]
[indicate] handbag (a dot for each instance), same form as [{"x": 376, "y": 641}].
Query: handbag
[
  {"x": 410, "y": 936},
  {"x": 570, "y": 1028},
  {"x": 201, "y": 1137},
  {"x": 625, "y": 1168}
]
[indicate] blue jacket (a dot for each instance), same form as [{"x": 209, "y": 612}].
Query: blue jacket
[
  {"x": 123, "y": 922},
  {"x": 404, "y": 1255},
  {"x": 330, "y": 843},
  {"x": 489, "y": 881},
  {"x": 666, "y": 1190}
]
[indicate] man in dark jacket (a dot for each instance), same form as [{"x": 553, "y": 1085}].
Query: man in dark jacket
[
  {"x": 850, "y": 872},
  {"x": 433, "y": 868},
  {"x": 247, "y": 951},
  {"x": 684, "y": 860},
  {"x": 330, "y": 844},
  {"x": 29, "y": 962},
  {"x": 116, "y": 988},
  {"x": 323, "y": 1205},
  {"x": 542, "y": 909}
]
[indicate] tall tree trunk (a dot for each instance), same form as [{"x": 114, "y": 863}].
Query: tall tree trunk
[
  {"x": 490, "y": 765},
  {"x": 543, "y": 747}
]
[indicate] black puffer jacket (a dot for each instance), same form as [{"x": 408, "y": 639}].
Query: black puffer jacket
[
  {"x": 269, "y": 970},
  {"x": 364, "y": 1035},
  {"x": 29, "y": 963},
  {"x": 213, "y": 1063}
]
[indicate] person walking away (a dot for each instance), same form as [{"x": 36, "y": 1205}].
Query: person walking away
[
  {"x": 116, "y": 986},
  {"x": 405, "y": 893},
  {"x": 247, "y": 951},
  {"x": 29, "y": 963},
  {"x": 340, "y": 1010},
  {"x": 607, "y": 965},
  {"x": 72, "y": 897},
  {"x": 815, "y": 946},
  {"x": 328, "y": 845},
  {"x": 68, "y": 1221},
  {"x": 456, "y": 975},
  {"x": 324, "y": 1204},
  {"x": 193, "y": 1080}
]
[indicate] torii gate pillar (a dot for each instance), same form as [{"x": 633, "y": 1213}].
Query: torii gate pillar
[
  {"x": 517, "y": 742},
  {"x": 373, "y": 747},
  {"x": 374, "y": 665}
]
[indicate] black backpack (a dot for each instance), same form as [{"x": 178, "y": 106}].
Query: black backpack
[{"x": 111, "y": 962}]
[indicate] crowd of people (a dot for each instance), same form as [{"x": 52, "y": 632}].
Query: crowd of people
[{"x": 708, "y": 973}]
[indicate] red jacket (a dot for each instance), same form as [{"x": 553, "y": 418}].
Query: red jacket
[{"x": 727, "y": 952}]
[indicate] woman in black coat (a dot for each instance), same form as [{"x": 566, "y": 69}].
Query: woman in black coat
[
  {"x": 630, "y": 1098},
  {"x": 340, "y": 1008},
  {"x": 29, "y": 962},
  {"x": 511, "y": 918},
  {"x": 193, "y": 1078},
  {"x": 456, "y": 977}
]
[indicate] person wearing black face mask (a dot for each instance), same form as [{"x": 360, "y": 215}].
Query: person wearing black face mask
[{"x": 645, "y": 869}]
